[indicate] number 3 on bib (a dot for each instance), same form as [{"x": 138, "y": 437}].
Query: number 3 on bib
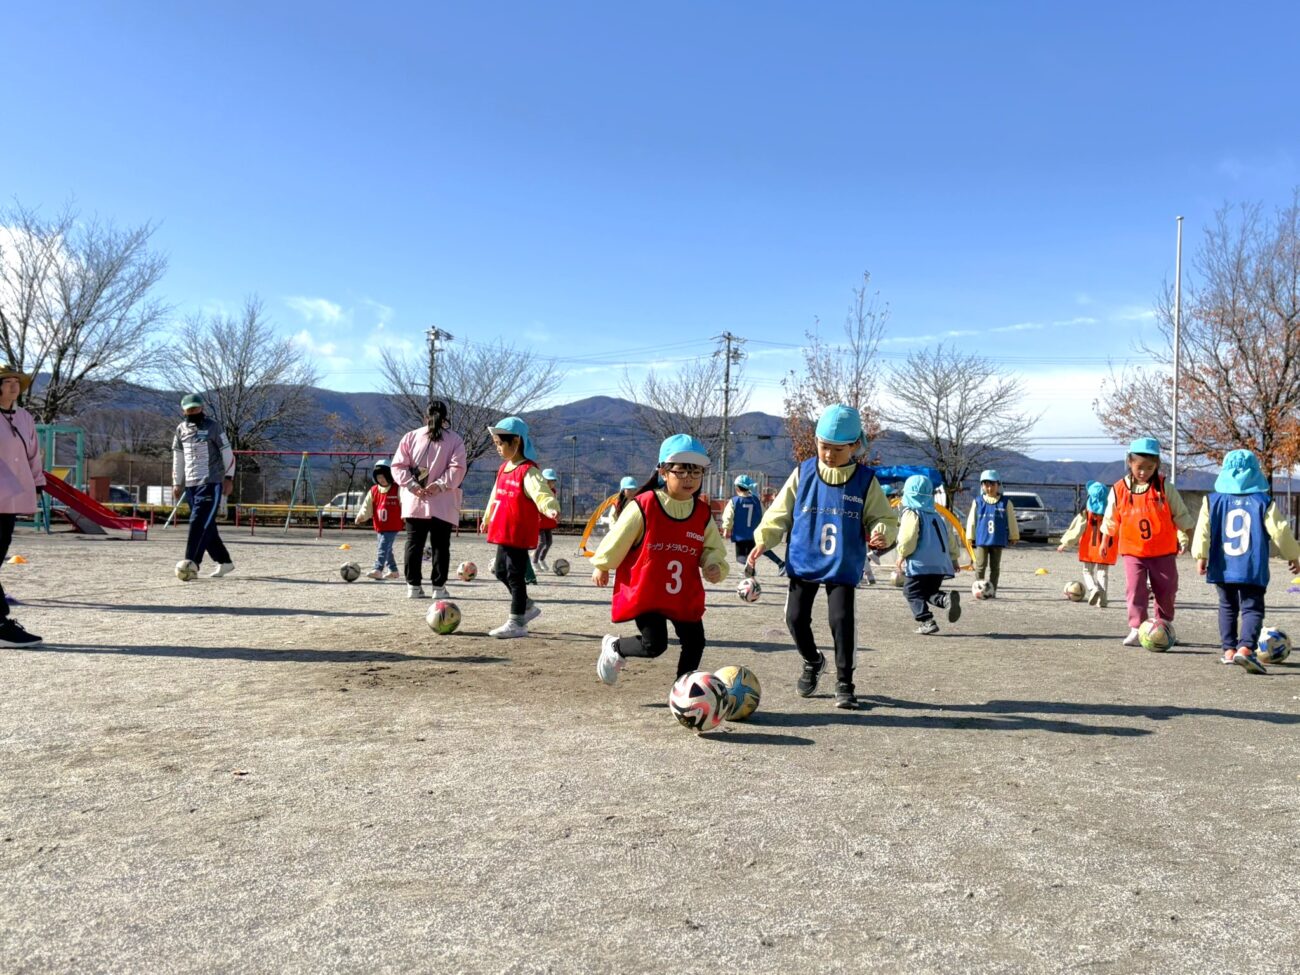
[
  {"x": 675, "y": 584},
  {"x": 828, "y": 539}
]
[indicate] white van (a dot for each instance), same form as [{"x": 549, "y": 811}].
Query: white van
[{"x": 343, "y": 506}]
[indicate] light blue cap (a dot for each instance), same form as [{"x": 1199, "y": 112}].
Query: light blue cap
[
  {"x": 516, "y": 426},
  {"x": 1241, "y": 474},
  {"x": 1145, "y": 445},
  {"x": 889, "y": 489},
  {"x": 918, "y": 493},
  {"x": 1097, "y": 495},
  {"x": 746, "y": 482},
  {"x": 990, "y": 475},
  {"x": 840, "y": 424},
  {"x": 682, "y": 448},
  {"x": 627, "y": 484},
  {"x": 550, "y": 474}
]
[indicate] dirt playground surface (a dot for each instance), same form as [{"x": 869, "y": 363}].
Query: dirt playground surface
[{"x": 281, "y": 772}]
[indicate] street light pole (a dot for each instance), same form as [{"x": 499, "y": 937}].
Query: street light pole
[
  {"x": 1178, "y": 321},
  {"x": 573, "y": 478}
]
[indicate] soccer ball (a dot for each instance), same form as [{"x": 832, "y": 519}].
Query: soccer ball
[
  {"x": 743, "y": 691},
  {"x": 443, "y": 617},
  {"x": 1154, "y": 636},
  {"x": 350, "y": 571},
  {"x": 898, "y": 578},
  {"x": 698, "y": 700},
  {"x": 749, "y": 590},
  {"x": 467, "y": 572},
  {"x": 186, "y": 570},
  {"x": 1074, "y": 592},
  {"x": 560, "y": 567},
  {"x": 1274, "y": 645},
  {"x": 980, "y": 589}
]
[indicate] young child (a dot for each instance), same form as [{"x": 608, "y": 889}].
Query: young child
[
  {"x": 1149, "y": 522},
  {"x": 992, "y": 525},
  {"x": 1231, "y": 545},
  {"x": 1085, "y": 530},
  {"x": 826, "y": 505},
  {"x": 546, "y": 525},
  {"x": 925, "y": 546},
  {"x": 520, "y": 499},
  {"x": 739, "y": 519},
  {"x": 664, "y": 540},
  {"x": 382, "y": 506}
]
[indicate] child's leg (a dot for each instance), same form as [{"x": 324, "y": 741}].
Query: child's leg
[
  {"x": 1163, "y": 573},
  {"x": 844, "y": 629},
  {"x": 1252, "y": 615},
  {"x": 981, "y": 561},
  {"x": 1090, "y": 576},
  {"x": 691, "y": 636},
  {"x": 544, "y": 541},
  {"x": 995, "y": 565},
  {"x": 918, "y": 590},
  {"x": 384, "y": 558},
  {"x": 1229, "y": 608},
  {"x": 742, "y": 551},
  {"x": 1103, "y": 576},
  {"x": 509, "y": 567},
  {"x": 798, "y": 617},
  {"x": 773, "y": 557},
  {"x": 1136, "y": 591},
  {"x": 652, "y": 639}
]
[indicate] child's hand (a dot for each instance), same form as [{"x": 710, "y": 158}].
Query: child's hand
[
  {"x": 727, "y": 534},
  {"x": 713, "y": 572},
  {"x": 600, "y": 577},
  {"x": 1182, "y": 548},
  {"x": 754, "y": 555},
  {"x": 1105, "y": 547},
  {"x": 877, "y": 539},
  {"x": 1060, "y": 548},
  {"x": 1294, "y": 565},
  {"x": 1201, "y": 566}
]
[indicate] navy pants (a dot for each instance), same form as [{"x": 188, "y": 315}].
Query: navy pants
[
  {"x": 1240, "y": 601},
  {"x": 922, "y": 592},
  {"x": 204, "y": 500}
]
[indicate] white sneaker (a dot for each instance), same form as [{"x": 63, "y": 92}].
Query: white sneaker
[
  {"x": 509, "y": 630},
  {"x": 532, "y": 612},
  {"x": 610, "y": 661},
  {"x": 374, "y": 574},
  {"x": 222, "y": 569},
  {"x": 441, "y": 593},
  {"x": 392, "y": 574},
  {"x": 415, "y": 592},
  {"x": 1132, "y": 640}
]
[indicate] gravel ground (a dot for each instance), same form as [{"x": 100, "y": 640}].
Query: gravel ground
[{"x": 278, "y": 771}]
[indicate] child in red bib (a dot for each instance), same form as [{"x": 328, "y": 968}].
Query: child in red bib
[
  {"x": 512, "y": 519},
  {"x": 663, "y": 541},
  {"x": 382, "y": 506}
]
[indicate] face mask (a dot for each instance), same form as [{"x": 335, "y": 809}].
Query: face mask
[{"x": 194, "y": 418}]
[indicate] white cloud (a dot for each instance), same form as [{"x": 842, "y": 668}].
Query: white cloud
[
  {"x": 320, "y": 311},
  {"x": 1134, "y": 313},
  {"x": 1019, "y": 327},
  {"x": 318, "y": 349}
]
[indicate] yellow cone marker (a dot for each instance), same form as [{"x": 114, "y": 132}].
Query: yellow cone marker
[
  {"x": 344, "y": 546},
  {"x": 18, "y": 560},
  {"x": 1040, "y": 572}
]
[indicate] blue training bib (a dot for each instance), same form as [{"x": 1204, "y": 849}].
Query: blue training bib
[
  {"x": 746, "y": 513},
  {"x": 1238, "y": 539},
  {"x": 932, "y": 557},
  {"x": 827, "y": 538},
  {"x": 991, "y": 523}
]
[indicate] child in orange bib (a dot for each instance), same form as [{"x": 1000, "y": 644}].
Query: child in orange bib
[
  {"x": 1085, "y": 531},
  {"x": 1149, "y": 522}
]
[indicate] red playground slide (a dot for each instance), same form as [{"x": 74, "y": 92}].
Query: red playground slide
[{"x": 87, "y": 514}]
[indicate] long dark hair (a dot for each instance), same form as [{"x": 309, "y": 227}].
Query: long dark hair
[
  {"x": 1157, "y": 481},
  {"x": 437, "y": 408}
]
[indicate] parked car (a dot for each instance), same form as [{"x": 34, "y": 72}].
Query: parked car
[
  {"x": 342, "y": 506},
  {"x": 1031, "y": 514}
]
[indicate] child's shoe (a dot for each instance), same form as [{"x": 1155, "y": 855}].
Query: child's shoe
[
  {"x": 812, "y": 670},
  {"x": 954, "y": 606},
  {"x": 1227, "y": 656},
  {"x": 532, "y": 611},
  {"x": 928, "y": 628},
  {"x": 222, "y": 569},
  {"x": 375, "y": 574},
  {"x": 1103, "y": 600},
  {"x": 441, "y": 593},
  {"x": 1133, "y": 639},
  {"x": 415, "y": 592},
  {"x": 392, "y": 574},
  {"x": 1245, "y": 657},
  {"x": 749, "y": 571},
  {"x": 509, "y": 630},
  {"x": 610, "y": 661},
  {"x": 12, "y": 634},
  {"x": 844, "y": 696},
  {"x": 1094, "y": 597}
]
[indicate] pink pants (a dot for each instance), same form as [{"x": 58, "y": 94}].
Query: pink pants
[{"x": 1144, "y": 577}]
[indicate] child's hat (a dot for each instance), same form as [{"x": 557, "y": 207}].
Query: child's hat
[
  {"x": 627, "y": 484},
  {"x": 550, "y": 474},
  {"x": 889, "y": 489},
  {"x": 1145, "y": 445},
  {"x": 382, "y": 462},
  {"x": 918, "y": 493},
  {"x": 1241, "y": 474},
  {"x": 1097, "y": 494},
  {"x": 840, "y": 424},
  {"x": 746, "y": 482},
  {"x": 682, "y": 448},
  {"x": 990, "y": 475},
  {"x": 517, "y": 427}
]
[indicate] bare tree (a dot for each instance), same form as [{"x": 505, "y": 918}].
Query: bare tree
[
  {"x": 845, "y": 372},
  {"x": 480, "y": 383},
  {"x": 257, "y": 384},
  {"x": 144, "y": 433},
  {"x": 1240, "y": 346},
  {"x": 961, "y": 409},
  {"x": 355, "y": 438},
  {"x": 76, "y": 305},
  {"x": 689, "y": 400}
]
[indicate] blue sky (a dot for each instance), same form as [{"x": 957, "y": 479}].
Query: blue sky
[{"x": 599, "y": 179}]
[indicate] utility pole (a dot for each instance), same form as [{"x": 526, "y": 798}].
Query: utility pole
[
  {"x": 730, "y": 353},
  {"x": 436, "y": 335},
  {"x": 1178, "y": 321}
]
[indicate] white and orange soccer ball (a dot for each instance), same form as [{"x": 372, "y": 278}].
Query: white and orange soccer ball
[{"x": 699, "y": 701}]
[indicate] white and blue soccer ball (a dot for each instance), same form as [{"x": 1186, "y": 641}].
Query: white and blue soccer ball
[{"x": 1274, "y": 645}]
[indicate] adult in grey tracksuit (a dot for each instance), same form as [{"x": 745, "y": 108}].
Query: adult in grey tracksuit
[{"x": 203, "y": 466}]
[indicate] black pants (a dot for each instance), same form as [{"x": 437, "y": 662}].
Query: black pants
[
  {"x": 744, "y": 548},
  {"x": 544, "y": 540},
  {"x": 204, "y": 500},
  {"x": 798, "y": 620},
  {"x": 437, "y": 533},
  {"x": 511, "y": 567},
  {"x": 653, "y": 640},
  {"x": 922, "y": 592},
  {"x": 1235, "y": 600},
  {"x": 6, "y": 537}
]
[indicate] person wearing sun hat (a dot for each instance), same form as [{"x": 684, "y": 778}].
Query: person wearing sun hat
[
  {"x": 1238, "y": 527},
  {"x": 22, "y": 480},
  {"x": 1085, "y": 531},
  {"x": 203, "y": 469},
  {"x": 832, "y": 508},
  {"x": 991, "y": 526},
  {"x": 739, "y": 519}
]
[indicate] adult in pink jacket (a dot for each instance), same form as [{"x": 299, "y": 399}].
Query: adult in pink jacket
[
  {"x": 22, "y": 478},
  {"x": 428, "y": 467}
]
